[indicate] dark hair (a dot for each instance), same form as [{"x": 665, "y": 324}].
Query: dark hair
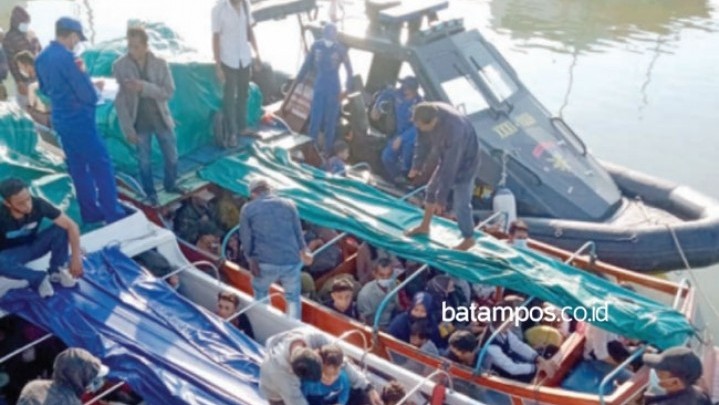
[
  {"x": 229, "y": 297},
  {"x": 383, "y": 262},
  {"x": 63, "y": 32},
  {"x": 463, "y": 340},
  {"x": 393, "y": 392},
  {"x": 25, "y": 57},
  {"x": 420, "y": 329},
  {"x": 331, "y": 355},
  {"x": 207, "y": 228},
  {"x": 10, "y": 187},
  {"x": 342, "y": 284},
  {"x": 306, "y": 364},
  {"x": 424, "y": 112},
  {"x": 340, "y": 146},
  {"x": 139, "y": 33},
  {"x": 518, "y": 225}
]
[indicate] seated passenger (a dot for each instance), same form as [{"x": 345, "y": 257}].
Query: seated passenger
[
  {"x": 227, "y": 305},
  {"x": 22, "y": 241},
  {"x": 333, "y": 388},
  {"x": 518, "y": 234},
  {"x": 420, "y": 335},
  {"x": 510, "y": 357},
  {"x": 208, "y": 238},
  {"x": 225, "y": 210},
  {"x": 478, "y": 329},
  {"x": 291, "y": 357},
  {"x": 341, "y": 298},
  {"x": 393, "y": 392},
  {"x": 419, "y": 310},
  {"x": 546, "y": 337},
  {"x": 463, "y": 348},
  {"x": 397, "y": 155},
  {"x": 326, "y": 290},
  {"x": 159, "y": 266},
  {"x": 337, "y": 164},
  {"x": 367, "y": 256},
  {"x": 193, "y": 211},
  {"x": 330, "y": 257},
  {"x": 372, "y": 294},
  {"x": 672, "y": 378}
]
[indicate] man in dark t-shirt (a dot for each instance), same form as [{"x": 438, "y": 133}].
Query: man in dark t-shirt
[{"x": 22, "y": 241}]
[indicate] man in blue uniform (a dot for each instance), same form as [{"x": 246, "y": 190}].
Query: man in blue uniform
[
  {"x": 73, "y": 98},
  {"x": 444, "y": 131},
  {"x": 397, "y": 155},
  {"x": 325, "y": 58}
]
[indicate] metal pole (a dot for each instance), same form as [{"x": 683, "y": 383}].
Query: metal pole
[
  {"x": 252, "y": 305},
  {"x": 616, "y": 371},
  {"x": 492, "y": 217},
  {"x": 104, "y": 393},
  {"x": 424, "y": 380},
  {"x": 27, "y": 346},
  {"x": 682, "y": 282},
  {"x": 589, "y": 245},
  {"x": 195, "y": 264}
]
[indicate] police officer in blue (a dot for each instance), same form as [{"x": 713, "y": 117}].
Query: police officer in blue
[
  {"x": 397, "y": 155},
  {"x": 324, "y": 58},
  {"x": 74, "y": 97}
]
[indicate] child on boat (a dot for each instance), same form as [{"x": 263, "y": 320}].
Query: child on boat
[{"x": 334, "y": 386}]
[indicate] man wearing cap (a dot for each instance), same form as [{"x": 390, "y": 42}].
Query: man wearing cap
[
  {"x": 672, "y": 377},
  {"x": 76, "y": 371},
  {"x": 291, "y": 357},
  {"x": 273, "y": 244},
  {"x": 445, "y": 132},
  {"x": 324, "y": 58},
  {"x": 397, "y": 155},
  {"x": 73, "y": 97}
]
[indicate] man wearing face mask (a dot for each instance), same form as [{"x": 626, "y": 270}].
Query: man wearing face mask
[
  {"x": 518, "y": 234},
  {"x": 672, "y": 377},
  {"x": 76, "y": 371},
  {"x": 18, "y": 39},
  {"x": 73, "y": 97}
]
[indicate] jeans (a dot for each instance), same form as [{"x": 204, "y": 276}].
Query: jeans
[
  {"x": 324, "y": 114},
  {"x": 289, "y": 276},
  {"x": 234, "y": 98},
  {"x": 53, "y": 239},
  {"x": 462, "y": 195},
  {"x": 398, "y": 162},
  {"x": 90, "y": 168},
  {"x": 168, "y": 146}
]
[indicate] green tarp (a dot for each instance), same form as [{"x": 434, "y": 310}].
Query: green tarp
[
  {"x": 197, "y": 97},
  {"x": 359, "y": 209}
]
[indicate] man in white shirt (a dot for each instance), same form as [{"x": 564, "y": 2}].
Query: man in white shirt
[{"x": 232, "y": 35}]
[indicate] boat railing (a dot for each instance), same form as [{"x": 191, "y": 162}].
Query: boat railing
[
  {"x": 23, "y": 348},
  {"x": 354, "y": 168},
  {"x": 483, "y": 351},
  {"x": 254, "y": 304},
  {"x": 684, "y": 282},
  {"x": 610, "y": 377},
  {"x": 590, "y": 246},
  {"x": 419, "y": 385},
  {"x": 195, "y": 265},
  {"x": 488, "y": 220},
  {"x": 132, "y": 183},
  {"x": 104, "y": 393},
  {"x": 366, "y": 346}
]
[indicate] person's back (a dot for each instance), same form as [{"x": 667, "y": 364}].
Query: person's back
[{"x": 272, "y": 222}]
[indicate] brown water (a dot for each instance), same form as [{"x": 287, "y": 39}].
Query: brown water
[{"x": 637, "y": 80}]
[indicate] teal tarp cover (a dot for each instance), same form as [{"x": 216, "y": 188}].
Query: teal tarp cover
[
  {"x": 359, "y": 209},
  {"x": 20, "y": 157},
  {"x": 198, "y": 95}
]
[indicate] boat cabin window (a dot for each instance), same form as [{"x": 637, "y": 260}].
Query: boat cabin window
[
  {"x": 461, "y": 91},
  {"x": 490, "y": 71}
]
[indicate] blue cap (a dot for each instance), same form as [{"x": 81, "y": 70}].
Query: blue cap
[
  {"x": 70, "y": 24},
  {"x": 410, "y": 82}
]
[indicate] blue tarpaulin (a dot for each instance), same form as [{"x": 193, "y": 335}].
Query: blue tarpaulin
[{"x": 165, "y": 347}]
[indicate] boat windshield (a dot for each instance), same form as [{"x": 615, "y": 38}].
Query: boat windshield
[
  {"x": 461, "y": 91},
  {"x": 491, "y": 73}
]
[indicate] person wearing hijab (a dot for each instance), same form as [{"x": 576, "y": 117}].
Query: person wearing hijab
[
  {"x": 421, "y": 308},
  {"x": 19, "y": 38}
]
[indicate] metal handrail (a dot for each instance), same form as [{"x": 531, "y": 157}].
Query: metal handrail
[
  {"x": 354, "y": 167},
  {"x": 366, "y": 347},
  {"x": 588, "y": 245},
  {"x": 390, "y": 296},
  {"x": 423, "y": 381},
  {"x": 679, "y": 291},
  {"x": 133, "y": 183},
  {"x": 27, "y": 346},
  {"x": 492, "y": 217},
  {"x": 616, "y": 371},
  {"x": 104, "y": 393},
  {"x": 226, "y": 240},
  {"x": 413, "y": 193},
  {"x": 253, "y": 304},
  {"x": 195, "y": 265}
]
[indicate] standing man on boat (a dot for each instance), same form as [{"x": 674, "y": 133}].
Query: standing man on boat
[
  {"x": 324, "y": 58},
  {"x": 273, "y": 244},
  {"x": 22, "y": 241},
  {"x": 146, "y": 85},
  {"x": 74, "y": 97},
  {"x": 232, "y": 35},
  {"x": 448, "y": 133}
]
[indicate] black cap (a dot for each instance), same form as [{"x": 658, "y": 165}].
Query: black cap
[{"x": 680, "y": 361}]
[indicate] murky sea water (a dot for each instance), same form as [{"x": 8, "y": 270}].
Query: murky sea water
[{"x": 637, "y": 80}]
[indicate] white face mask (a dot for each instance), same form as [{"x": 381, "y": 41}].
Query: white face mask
[
  {"x": 520, "y": 243},
  {"x": 387, "y": 283},
  {"x": 654, "y": 386},
  {"x": 23, "y": 27}
]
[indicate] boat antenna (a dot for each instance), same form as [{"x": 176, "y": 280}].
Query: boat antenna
[{"x": 503, "y": 176}]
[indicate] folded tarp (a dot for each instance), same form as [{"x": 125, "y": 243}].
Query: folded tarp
[
  {"x": 165, "y": 347},
  {"x": 359, "y": 209}
]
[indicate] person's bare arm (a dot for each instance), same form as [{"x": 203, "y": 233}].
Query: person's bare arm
[{"x": 73, "y": 234}]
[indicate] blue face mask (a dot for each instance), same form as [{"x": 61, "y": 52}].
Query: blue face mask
[{"x": 655, "y": 387}]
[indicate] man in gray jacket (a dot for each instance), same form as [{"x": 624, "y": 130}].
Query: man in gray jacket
[
  {"x": 146, "y": 85},
  {"x": 288, "y": 360},
  {"x": 76, "y": 371}
]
